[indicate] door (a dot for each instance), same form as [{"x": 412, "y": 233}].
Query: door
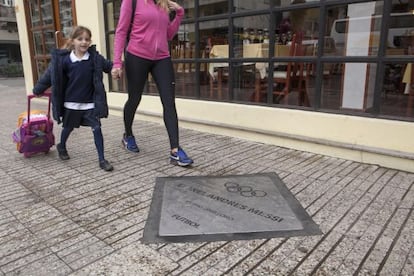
[{"x": 49, "y": 26}]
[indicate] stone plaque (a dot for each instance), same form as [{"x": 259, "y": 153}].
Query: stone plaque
[{"x": 224, "y": 208}]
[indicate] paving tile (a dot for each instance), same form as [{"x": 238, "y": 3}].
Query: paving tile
[
  {"x": 398, "y": 255},
  {"x": 48, "y": 265},
  {"x": 23, "y": 257},
  {"x": 134, "y": 259}
]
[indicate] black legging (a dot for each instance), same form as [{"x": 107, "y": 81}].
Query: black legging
[{"x": 162, "y": 71}]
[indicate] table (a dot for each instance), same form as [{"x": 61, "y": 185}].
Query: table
[
  {"x": 260, "y": 50},
  {"x": 218, "y": 51},
  {"x": 254, "y": 50}
]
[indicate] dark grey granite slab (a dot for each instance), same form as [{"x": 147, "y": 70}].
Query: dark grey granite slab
[{"x": 210, "y": 208}]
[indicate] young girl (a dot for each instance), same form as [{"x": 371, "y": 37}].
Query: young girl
[{"x": 78, "y": 93}]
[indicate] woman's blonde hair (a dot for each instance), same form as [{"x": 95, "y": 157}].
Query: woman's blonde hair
[
  {"x": 76, "y": 32},
  {"x": 163, "y": 4}
]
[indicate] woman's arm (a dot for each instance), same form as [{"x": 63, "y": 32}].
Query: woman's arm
[
  {"x": 121, "y": 32},
  {"x": 175, "y": 23}
]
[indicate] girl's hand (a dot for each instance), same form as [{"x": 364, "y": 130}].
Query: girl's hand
[
  {"x": 173, "y": 6},
  {"x": 116, "y": 73}
]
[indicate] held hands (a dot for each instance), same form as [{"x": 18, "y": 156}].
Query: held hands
[
  {"x": 173, "y": 6},
  {"x": 116, "y": 73}
]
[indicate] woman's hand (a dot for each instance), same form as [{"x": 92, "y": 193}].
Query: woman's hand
[
  {"x": 116, "y": 73},
  {"x": 173, "y": 6}
]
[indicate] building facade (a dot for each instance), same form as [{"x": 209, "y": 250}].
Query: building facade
[
  {"x": 10, "y": 57},
  {"x": 330, "y": 77}
]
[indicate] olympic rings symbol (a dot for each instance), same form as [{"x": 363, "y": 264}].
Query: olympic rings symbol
[{"x": 245, "y": 191}]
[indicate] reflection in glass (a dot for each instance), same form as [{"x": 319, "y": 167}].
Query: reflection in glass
[
  {"x": 245, "y": 75},
  {"x": 188, "y": 6},
  {"x": 66, "y": 22},
  {"x": 213, "y": 44},
  {"x": 251, "y": 29},
  {"x": 401, "y": 33},
  {"x": 50, "y": 42},
  {"x": 355, "y": 28},
  {"x": 217, "y": 87},
  {"x": 47, "y": 12},
  {"x": 185, "y": 83},
  {"x": 38, "y": 43},
  {"x": 249, "y": 5},
  {"x": 348, "y": 86},
  {"x": 284, "y": 3},
  {"x": 34, "y": 14},
  {"x": 208, "y": 7},
  {"x": 332, "y": 86},
  {"x": 183, "y": 48},
  {"x": 303, "y": 23},
  {"x": 397, "y": 98}
]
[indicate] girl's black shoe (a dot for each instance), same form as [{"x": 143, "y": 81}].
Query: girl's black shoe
[
  {"x": 63, "y": 153},
  {"x": 105, "y": 165}
]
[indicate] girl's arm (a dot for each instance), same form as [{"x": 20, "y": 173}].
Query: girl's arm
[
  {"x": 106, "y": 64},
  {"x": 44, "y": 83}
]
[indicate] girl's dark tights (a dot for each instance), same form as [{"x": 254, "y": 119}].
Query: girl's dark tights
[
  {"x": 66, "y": 131},
  {"x": 97, "y": 136},
  {"x": 99, "y": 143}
]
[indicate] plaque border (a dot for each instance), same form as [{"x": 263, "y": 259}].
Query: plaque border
[{"x": 151, "y": 228}]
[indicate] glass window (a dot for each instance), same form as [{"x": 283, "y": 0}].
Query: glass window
[
  {"x": 400, "y": 39},
  {"x": 47, "y": 12},
  {"x": 35, "y": 14},
  {"x": 217, "y": 87},
  {"x": 348, "y": 86},
  {"x": 249, "y": 5},
  {"x": 303, "y": 23},
  {"x": 283, "y": 3},
  {"x": 332, "y": 85},
  {"x": 38, "y": 43},
  {"x": 397, "y": 97},
  {"x": 207, "y": 68},
  {"x": 214, "y": 44},
  {"x": 213, "y": 7},
  {"x": 183, "y": 48},
  {"x": 251, "y": 29},
  {"x": 66, "y": 17},
  {"x": 189, "y": 8},
  {"x": 354, "y": 29}
]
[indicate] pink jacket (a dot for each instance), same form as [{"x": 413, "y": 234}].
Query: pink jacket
[{"x": 151, "y": 31}]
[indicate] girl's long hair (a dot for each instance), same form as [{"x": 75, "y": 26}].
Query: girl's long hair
[
  {"x": 76, "y": 32},
  {"x": 163, "y": 4}
]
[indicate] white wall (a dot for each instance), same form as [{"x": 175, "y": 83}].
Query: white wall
[{"x": 385, "y": 142}]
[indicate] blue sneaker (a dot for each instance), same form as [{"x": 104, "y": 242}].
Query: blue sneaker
[
  {"x": 180, "y": 158},
  {"x": 129, "y": 143}
]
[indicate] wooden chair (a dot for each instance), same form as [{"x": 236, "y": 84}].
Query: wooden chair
[
  {"x": 218, "y": 74},
  {"x": 286, "y": 76}
]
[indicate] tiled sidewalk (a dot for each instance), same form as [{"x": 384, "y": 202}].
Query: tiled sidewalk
[{"x": 71, "y": 218}]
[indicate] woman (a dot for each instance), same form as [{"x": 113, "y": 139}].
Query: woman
[{"x": 148, "y": 52}]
